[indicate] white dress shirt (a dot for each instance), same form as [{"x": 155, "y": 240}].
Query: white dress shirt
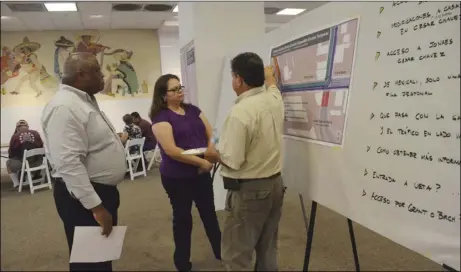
[{"x": 83, "y": 145}]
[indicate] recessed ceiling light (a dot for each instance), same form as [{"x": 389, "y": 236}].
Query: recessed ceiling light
[
  {"x": 6, "y": 17},
  {"x": 290, "y": 11},
  {"x": 170, "y": 23},
  {"x": 96, "y": 16},
  {"x": 60, "y": 6},
  {"x": 176, "y": 9}
]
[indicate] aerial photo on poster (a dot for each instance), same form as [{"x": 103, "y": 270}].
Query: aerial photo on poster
[{"x": 314, "y": 74}]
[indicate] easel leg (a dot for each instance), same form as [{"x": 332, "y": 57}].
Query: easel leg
[
  {"x": 310, "y": 236},
  {"x": 448, "y": 268},
  {"x": 303, "y": 208},
  {"x": 354, "y": 246}
]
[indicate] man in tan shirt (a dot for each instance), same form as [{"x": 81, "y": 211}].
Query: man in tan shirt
[{"x": 249, "y": 150}]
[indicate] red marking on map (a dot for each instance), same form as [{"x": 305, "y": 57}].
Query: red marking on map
[{"x": 325, "y": 98}]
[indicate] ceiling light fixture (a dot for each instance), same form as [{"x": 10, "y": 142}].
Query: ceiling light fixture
[
  {"x": 176, "y": 9},
  {"x": 290, "y": 11},
  {"x": 96, "y": 16},
  {"x": 170, "y": 23},
  {"x": 6, "y": 17},
  {"x": 52, "y": 7}
]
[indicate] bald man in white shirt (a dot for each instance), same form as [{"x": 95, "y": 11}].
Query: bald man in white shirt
[{"x": 85, "y": 151}]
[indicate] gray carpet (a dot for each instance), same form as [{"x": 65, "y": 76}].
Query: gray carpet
[{"x": 32, "y": 235}]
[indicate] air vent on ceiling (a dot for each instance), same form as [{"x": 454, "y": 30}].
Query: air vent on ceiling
[
  {"x": 26, "y": 7},
  {"x": 157, "y": 7},
  {"x": 126, "y": 7},
  {"x": 270, "y": 10}
]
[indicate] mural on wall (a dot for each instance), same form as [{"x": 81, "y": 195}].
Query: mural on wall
[
  {"x": 23, "y": 73},
  {"x": 24, "y": 58},
  {"x": 10, "y": 67},
  {"x": 123, "y": 70},
  {"x": 64, "y": 48}
]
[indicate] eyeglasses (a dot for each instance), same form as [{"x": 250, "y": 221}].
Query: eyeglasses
[{"x": 176, "y": 89}]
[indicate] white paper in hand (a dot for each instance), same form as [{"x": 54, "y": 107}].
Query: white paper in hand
[
  {"x": 195, "y": 151},
  {"x": 91, "y": 247}
]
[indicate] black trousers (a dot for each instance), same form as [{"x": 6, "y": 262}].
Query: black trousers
[
  {"x": 182, "y": 192},
  {"x": 73, "y": 214}
]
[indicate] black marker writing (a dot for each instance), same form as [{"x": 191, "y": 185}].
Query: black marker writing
[
  {"x": 397, "y": 3},
  {"x": 398, "y": 52},
  {"x": 416, "y": 93},
  {"x": 380, "y": 198},
  {"x": 387, "y": 178},
  {"x": 404, "y": 153},
  {"x": 421, "y": 116},
  {"x": 412, "y": 208},
  {"x": 432, "y": 80},
  {"x": 448, "y": 160},
  {"x": 451, "y": 7},
  {"x": 458, "y": 76},
  {"x": 441, "y": 43},
  {"x": 453, "y": 18},
  {"x": 411, "y": 19},
  {"x": 407, "y": 131}
]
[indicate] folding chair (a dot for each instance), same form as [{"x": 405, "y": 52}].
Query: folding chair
[
  {"x": 133, "y": 159},
  {"x": 43, "y": 168},
  {"x": 156, "y": 157}
]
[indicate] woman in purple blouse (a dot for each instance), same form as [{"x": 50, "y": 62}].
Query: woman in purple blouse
[{"x": 186, "y": 178}]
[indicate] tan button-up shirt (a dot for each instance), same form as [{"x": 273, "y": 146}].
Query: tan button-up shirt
[
  {"x": 82, "y": 144},
  {"x": 251, "y": 138}
]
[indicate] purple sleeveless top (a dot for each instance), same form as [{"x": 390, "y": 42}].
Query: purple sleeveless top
[{"x": 188, "y": 132}]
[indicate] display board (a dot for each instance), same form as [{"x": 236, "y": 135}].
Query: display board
[
  {"x": 188, "y": 73},
  {"x": 398, "y": 170},
  {"x": 314, "y": 73}
]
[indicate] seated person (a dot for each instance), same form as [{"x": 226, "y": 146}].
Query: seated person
[
  {"x": 130, "y": 131},
  {"x": 22, "y": 139},
  {"x": 146, "y": 130}
]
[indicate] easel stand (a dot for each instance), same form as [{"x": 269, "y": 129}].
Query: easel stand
[
  {"x": 448, "y": 268},
  {"x": 310, "y": 235}
]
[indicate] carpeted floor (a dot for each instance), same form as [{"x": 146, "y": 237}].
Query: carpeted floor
[{"x": 32, "y": 236}]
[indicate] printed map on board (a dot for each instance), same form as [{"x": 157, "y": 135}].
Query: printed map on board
[{"x": 314, "y": 75}]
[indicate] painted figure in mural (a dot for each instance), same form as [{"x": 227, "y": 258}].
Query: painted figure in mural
[
  {"x": 87, "y": 44},
  {"x": 123, "y": 70},
  {"x": 64, "y": 48},
  {"x": 25, "y": 55},
  {"x": 9, "y": 66}
]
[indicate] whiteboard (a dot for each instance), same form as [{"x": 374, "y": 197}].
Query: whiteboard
[{"x": 378, "y": 179}]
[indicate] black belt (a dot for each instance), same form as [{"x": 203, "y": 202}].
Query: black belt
[
  {"x": 254, "y": 179},
  {"x": 234, "y": 184},
  {"x": 60, "y": 180}
]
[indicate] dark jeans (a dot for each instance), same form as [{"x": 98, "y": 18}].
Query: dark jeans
[
  {"x": 73, "y": 214},
  {"x": 149, "y": 146},
  {"x": 182, "y": 192}
]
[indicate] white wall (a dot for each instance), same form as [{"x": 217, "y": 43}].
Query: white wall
[{"x": 169, "y": 50}]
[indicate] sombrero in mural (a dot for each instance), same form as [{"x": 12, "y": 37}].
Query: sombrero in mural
[
  {"x": 63, "y": 42},
  {"x": 89, "y": 34},
  {"x": 34, "y": 46}
]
